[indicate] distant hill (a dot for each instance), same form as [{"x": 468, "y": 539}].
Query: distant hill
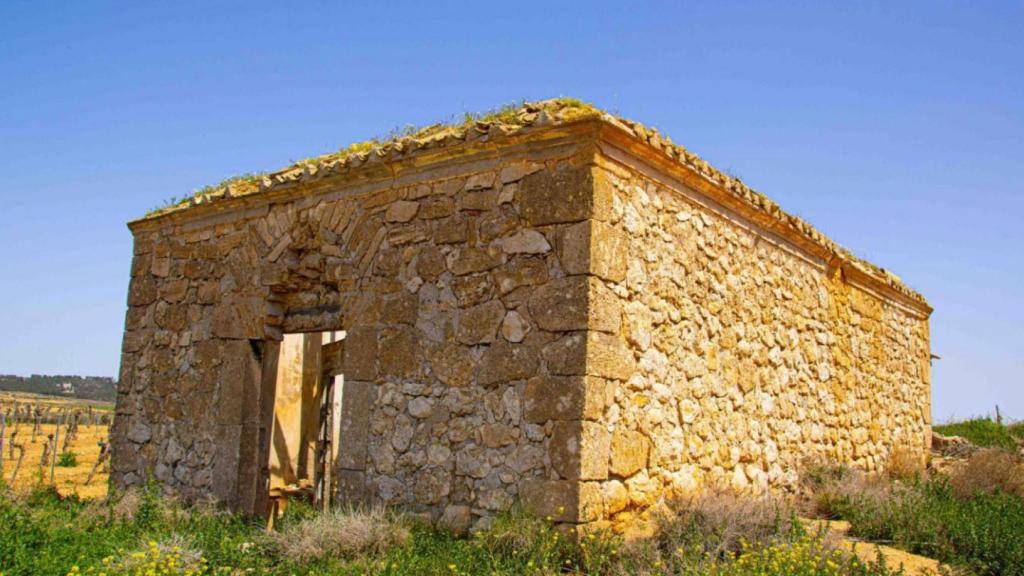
[{"x": 84, "y": 387}]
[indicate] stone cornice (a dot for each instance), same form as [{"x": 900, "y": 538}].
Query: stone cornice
[{"x": 382, "y": 173}]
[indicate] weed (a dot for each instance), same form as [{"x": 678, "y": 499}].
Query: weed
[
  {"x": 67, "y": 460},
  {"x": 988, "y": 471},
  {"x": 905, "y": 465},
  {"x": 340, "y": 534}
]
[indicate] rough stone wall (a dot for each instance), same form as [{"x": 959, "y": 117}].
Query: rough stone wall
[
  {"x": 530, "y": 320},
  {"x": 749, "y": 358},
  {"x": 454, "y": 292}
]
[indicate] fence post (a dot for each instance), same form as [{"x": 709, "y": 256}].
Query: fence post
[{"x": 56, "y": 443}]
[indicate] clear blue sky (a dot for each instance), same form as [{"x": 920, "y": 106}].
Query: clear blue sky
[{"x": 897, "y": 128}]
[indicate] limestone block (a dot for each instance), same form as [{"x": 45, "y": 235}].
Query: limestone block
[
  {"x": 401, "y": 211},
  {"x": 514, "y": 328},
  {"x": 575, "y": 303},
  {"x": 629, "y": 451},
  {"x": 616, "y": 497},
  {"x": 472, "y": 289},
  {"x": 451, "y": 230},
  {"x": 555, "y": 499},
  {"x": 496, "y": 223},
  {"x": 470, "y": 260},
  {"x": 356, "y": 406},
  {"x": 472, "y": 463},
  {"x": 563, "y": 398},
  {"x": 480, "y": 200},
  {"x": 591, "y": 502},
  {"x": 516, "y": 171},
  {"x": 505, "y": 362},
  {"x": 525, "y": 242},
  {"x": 608, "y": 357},
  {"x": 352, "y": 488},
  {"x": 436, "y": 207},
  {"x": 173, "y": 290},
  {"x": 450, "y": 363},
  {"x": 431, "y": 485},
  {"x": 595, "y": 247},
  {"x": 480, "y": 181},
  {"x": 556, "y": 197},
  {"x": 399, "y": 352},
  {"x": 479, "y": 324},
  {"x": 361, "y": 353},
  {"x": 420, "y": 408},
  {"x": 456, "y": 518},
  {"x": 567, "y": 355},
  {"x": 578, "y": 450},
  {"x": 497, "y": 435},
  {"x": 520, "y": 271},
  {"x": 430, "y": 263}
]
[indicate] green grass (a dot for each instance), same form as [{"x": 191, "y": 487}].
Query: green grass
[
  {"x": 983, "y": 532},
  {"x": 141, "y": 534},
  {"x": 67, "y": 460},
  {"x": 984, "y": 432}
]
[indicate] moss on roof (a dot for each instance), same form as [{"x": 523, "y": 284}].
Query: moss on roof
[
  {"x": 504, "y": 121},
  {"x": 515, "y": 115}
]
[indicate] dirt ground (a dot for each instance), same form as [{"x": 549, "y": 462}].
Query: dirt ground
[{"x": 85, "y": 447}]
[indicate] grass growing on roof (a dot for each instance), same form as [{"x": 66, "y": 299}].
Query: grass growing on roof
[{"x": 508, "y": 115}]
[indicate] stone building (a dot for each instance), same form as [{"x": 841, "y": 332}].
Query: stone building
[{"x": 550, "y": 304}]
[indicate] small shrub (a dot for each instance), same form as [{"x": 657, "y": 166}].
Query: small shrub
[
  {"x": 67, "y": 460},
  {"x": 905, "y": 464},
  {"x": 339, "y": 534},
  {"x": 988, "y": 471},
  {"x": 722, "y": 522},
  {"x": 828, "y": 487},
  {"x": 807, "y": 556}
]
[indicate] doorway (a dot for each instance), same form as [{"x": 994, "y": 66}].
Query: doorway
[{"x": 307, "y": 406}]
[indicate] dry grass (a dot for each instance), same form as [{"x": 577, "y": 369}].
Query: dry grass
[
  {"x": 340, "y": 534},
  {"x": 987, "y": 471},
  {"x": 724, "y": 521},
  {"x": 824, "y": 486},
  {"x": 905, "y": 465}
]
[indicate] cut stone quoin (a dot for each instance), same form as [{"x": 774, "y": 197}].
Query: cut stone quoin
[{"x": 565, "y": 309}]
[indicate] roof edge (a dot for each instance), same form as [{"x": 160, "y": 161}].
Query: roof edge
[{"x": 649, "y": 145}]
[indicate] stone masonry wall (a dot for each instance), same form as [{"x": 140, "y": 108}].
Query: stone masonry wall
[
  {"x": 747, "y": 358},
  {"x": 526, "y": 320},
  {"x": 453, "y": 288}
]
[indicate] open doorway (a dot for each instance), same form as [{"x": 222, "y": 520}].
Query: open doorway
[{"x": 307, "y": 406}]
